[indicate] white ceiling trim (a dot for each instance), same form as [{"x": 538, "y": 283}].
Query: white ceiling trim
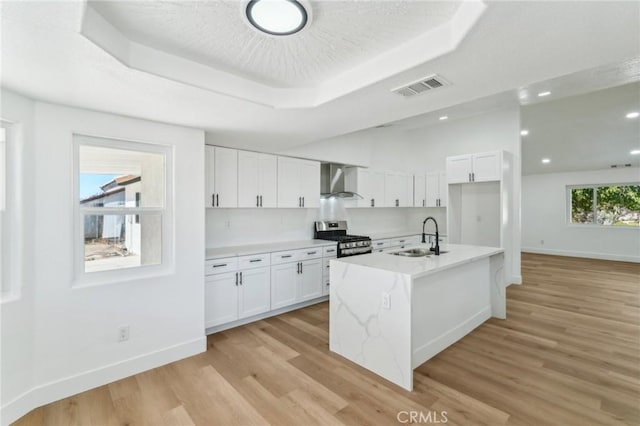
[{"x": 432, "y": 44}]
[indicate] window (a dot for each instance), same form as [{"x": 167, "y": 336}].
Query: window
[
  {"x": 122, "y": 197},
  {"x": 608, "y": 205}
]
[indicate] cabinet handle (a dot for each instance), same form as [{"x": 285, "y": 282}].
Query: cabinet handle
[
  {"x": 379, "y": 244},
  {"x": 240, "y": 278},
  {"x": 373, "y": 202},
  {"x": 299, "y": 201},
  {"x": 330, "y": 250},
  {"x": 397, "y": 203},
  {"x": 300, "y": 267},
  {"x": 236, "y": 278},
  {"x": 213, "y": 200},
  {"x": 261, "y": 201},
  {"x": 217, "y": 200},
  {"x": 220, "y": 265},
  {"x": 255, "y": 260},
  {"x": 424, "y": 203},
  {"x": 257, "y": 201},
  {"x": 469, "y": 177},
  {"x": 302, "y": 201},
  {"x": 311, "y": 252},
  {"x": 473, "y": 176},
  {"x": 284, "y": 256}
]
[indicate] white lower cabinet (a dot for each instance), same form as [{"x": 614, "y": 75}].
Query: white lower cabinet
[
  {"x": 221, "y": 299},
  {"x": 235, "y": 295},
  {"x": 295, "y": 282}
]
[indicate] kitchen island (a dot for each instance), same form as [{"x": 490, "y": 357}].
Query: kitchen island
[{"x": 391, "y": 313}]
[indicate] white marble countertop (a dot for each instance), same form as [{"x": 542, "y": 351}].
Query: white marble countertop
[
  {"x": 393, "y": 234},
  {"x": 417, "y": 267},
  {"x": 249, "y": 249}
]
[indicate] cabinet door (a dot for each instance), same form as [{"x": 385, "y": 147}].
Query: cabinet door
[
  {"x": 268, "y": 180},
  {"x": 226, "y": 177},
  {"x": 377, "y": 185},
  {"x": 289, "y": 192},
  {"x": 406, "y": 190},
  {"x": 433, "y": 189},
  {"x": 209, "y": 174},
  {"x": 310, "y": 285},
  {"x": 220, "y": 299},
  {"x": 486, "y": 167},
  {"x": 310, "y": 183},
  {"x": 365, "y": 188},
  {"x": 284, "y": 283},
  {"x": 248, "y": 179},
  {"x": 419, "y": 191},
  {"x": 458, "y": 169},
  {"x": 392, "y": 184},
  {"x": 255, "y": 292},
  {"x": 444, "y": 190}
]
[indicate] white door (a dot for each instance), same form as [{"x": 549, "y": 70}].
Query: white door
[
  {"x": 433, "y": 189},
  {"x": 459, "y": 169},
  {"x": 284, "y": 283},
  {"x": 310, "y": 285},
  {"x": 226, "y": 177},
  {"x": 310, "y": 183},
  {"x": 255, "y": 295},
  {"x": 220, "y": 299},
  {"x": 209, "y": 173},
  {"x": 289, "y": 193},
  {"x": 268, "y": 180},
  {"x": 486, "y": 167},
  {"x": 248, "y": 179},
  {"x": 444, "y": 190},
  {"x": 419, "y": 191},
  {"x": 377, "y": 185}
]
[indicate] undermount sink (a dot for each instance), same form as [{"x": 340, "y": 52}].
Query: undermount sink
[{"x": 417, "y": 252}]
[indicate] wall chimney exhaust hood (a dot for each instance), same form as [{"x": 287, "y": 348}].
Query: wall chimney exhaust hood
[{"x": 332, "y": 183}]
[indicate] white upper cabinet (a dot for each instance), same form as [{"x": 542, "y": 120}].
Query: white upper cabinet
[
  {"x": 483, "y": 167},
  {"x": 368, "y": 183},
  {"x": 436, "y": 189},
  {"x": 396, "y": 189},
  {"x": 257, "y": 179},
  {"x": 221, "y": 177},
  {"x": 419, "y": 191},
  {"x": 298, "y": 183}
]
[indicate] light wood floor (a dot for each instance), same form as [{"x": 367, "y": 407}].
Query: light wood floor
[{"x": 568, "y": 354}]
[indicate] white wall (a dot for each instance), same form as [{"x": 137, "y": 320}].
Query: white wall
[
  {"x": 75, "y": 328},
  {"x": 545, "y": 227}
]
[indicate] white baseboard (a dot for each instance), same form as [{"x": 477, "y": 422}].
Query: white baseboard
[
  {"x": 585, "y": 254},
  {"x": 53, "y": 391},
  {"x": 516, "y": 279}
]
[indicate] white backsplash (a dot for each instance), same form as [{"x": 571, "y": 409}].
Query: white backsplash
[{"x": 230, "y": 227}]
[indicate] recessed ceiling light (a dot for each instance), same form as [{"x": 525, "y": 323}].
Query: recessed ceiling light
[
  {"x": 546, "y": 161},
  {"x": 277, "y": 17},
  {"x": 444, "y": 117},
  {"x": 635, "y": 152},
  {"x": 633, "y": 114},
  {"x": 524, "y": 132},
  {"x": 543, "y": 94}
]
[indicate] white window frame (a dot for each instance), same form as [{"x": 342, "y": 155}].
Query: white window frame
[
  {"x": 167, "y": 263},
  {"x": 595, "y": 223}
]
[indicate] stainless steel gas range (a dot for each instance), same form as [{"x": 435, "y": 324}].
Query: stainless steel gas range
[{"x": 348, "y": 245}]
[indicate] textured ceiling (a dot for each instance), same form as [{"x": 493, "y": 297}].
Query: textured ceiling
[{"x": 342, "y": 34}]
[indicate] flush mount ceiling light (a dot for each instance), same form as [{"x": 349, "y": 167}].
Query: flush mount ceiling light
[
  {"x": 546, "y": 161},
  {"x": 633, "y": 114},
  {"x": 543, "y": 94},
  {"x": 635, "y": 152},
  {"x": 524, "y": 132},
  {"x": 277, "y": 17},
  {"x": 444, "y": 117}
]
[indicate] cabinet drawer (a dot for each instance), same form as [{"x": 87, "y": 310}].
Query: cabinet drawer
[
  {"x": 285, "y": 257},
  {"x": 254, "y": 261},
  {"x": 311, "y": 253},
  {"x": 405, "y": 241},
  {"x": 218, "y": 266},
  {"x": 380, "y": 244},
  {"x": 330, "y": 251}
]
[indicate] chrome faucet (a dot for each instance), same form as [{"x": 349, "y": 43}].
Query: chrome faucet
[{"x": 436, "y": 250}]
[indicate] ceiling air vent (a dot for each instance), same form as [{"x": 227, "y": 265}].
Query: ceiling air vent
[{"x": 423, "y": 85}]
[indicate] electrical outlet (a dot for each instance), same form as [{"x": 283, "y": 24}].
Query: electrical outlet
[
  {"x": 386, "y": 301},
  {"x": 123, "y": 333},
  {"x": 541, "y": 242}
]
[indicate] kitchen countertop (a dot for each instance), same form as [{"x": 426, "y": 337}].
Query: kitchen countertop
[
  {"x": 417, "y": 267},
  {"x": 249, "y": 249}
]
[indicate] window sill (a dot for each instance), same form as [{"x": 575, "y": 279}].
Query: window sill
[
  {"x": 595, "y": 226},
  {"x": 121, "y": 276}
]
